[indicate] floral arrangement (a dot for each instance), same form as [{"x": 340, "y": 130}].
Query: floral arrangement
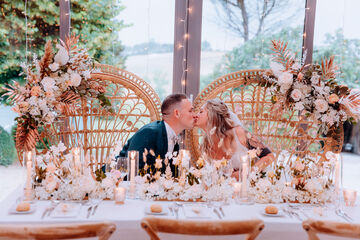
[
  {"x": 295, "y": 179},
  {"x": 67, "y": 176},
  {"x": 52, "y": 84},
  {"x": 203, "y": 182},
  {"x": 312, "y": 89}
]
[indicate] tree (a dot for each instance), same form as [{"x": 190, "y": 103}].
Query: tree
[
  {"x": 254, "y": 54},
  {"x": 96, "y": 21},
  {"x": 249, "y": 19},
  {"x": 347, "y": 56}
]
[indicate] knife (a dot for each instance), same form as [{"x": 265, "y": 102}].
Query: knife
[
  {"x": 217, "y": 213},
  {"x": 95, "y": 208},
  {"x": 45, "y": 212},
  {"x": 222, "y": 211},
  {"x": 89, "y": 211}
]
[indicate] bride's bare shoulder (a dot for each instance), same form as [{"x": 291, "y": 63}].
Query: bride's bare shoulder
[{"x": 240, "y": 131}]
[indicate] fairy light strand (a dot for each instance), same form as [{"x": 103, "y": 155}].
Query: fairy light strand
[
  {"x": 184, "y": 46},
  {"x": 26, "y": 33}
]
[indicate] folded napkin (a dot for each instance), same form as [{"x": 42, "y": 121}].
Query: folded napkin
[{"x": 66, "y": 210}]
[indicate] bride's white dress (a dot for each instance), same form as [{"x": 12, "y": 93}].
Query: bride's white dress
[{"x": 240, "y": 151}]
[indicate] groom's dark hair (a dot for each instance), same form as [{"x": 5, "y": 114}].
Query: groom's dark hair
[{"x": 170, "y": 101}]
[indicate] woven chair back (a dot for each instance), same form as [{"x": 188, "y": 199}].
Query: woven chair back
[
  {"x": 97, "y": 130},
  {"x": 247, "y": 94}
]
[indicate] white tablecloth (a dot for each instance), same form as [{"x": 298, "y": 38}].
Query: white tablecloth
[{"x": 127, "y": 218}]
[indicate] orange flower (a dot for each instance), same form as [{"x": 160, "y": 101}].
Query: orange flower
[{"x": 35, "y": 91}]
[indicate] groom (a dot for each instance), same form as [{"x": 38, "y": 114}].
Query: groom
[{"x": 162, "y": 136}]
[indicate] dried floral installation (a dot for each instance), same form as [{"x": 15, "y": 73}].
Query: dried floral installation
[
  {"x": 311, "y": 89},
  {"x": 52, "y": 85}
]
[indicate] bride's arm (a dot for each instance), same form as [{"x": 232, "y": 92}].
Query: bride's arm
[{"x": 266, "y": 157}]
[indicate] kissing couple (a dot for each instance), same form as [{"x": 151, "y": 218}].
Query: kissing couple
[{"x": 225, "y": 136}]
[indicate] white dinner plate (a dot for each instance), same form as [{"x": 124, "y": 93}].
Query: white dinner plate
[
  {"x": 163, "y": 212},
  {"x": 279, "y": 214},
  {"x": 66, "y": 210},
  {"x": 12, "y": 210}
]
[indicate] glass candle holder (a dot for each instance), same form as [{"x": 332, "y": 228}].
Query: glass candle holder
[
  {"x": 119, "y": 195},
  {"x": 244, "y": 172},
  {"x": 349, "y": 197}
]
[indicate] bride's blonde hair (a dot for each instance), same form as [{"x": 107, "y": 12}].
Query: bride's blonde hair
[{"x": 219, "y": 122}]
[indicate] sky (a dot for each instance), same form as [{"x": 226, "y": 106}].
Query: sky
[{"x": 154, "y": 20}]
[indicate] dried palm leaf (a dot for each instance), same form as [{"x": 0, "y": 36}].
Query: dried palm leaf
[
  {"x": 13, "y": 95},
  {"x": 328, "y": 68},
  {"x": 351, "y": 104},
  {"x": 70, "y": 43},
  {"x": 69, "y": 97},
  {"x": 47, "y": 59},
  {"x": 26, "y": 136},
  {"x": 282, "y": 55}
]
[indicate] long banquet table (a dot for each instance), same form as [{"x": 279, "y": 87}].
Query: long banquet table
[{"x": 128, "y": 216}]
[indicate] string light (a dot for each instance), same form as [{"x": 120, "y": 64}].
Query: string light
[
  {"x": 184, "y": 46},
  {"x": 26, "y": 33}
]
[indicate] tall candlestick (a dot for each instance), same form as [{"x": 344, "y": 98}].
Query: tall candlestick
[{"x": 134, "y": 158}]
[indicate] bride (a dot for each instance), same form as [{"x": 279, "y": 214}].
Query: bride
[{"x": 226, "y": 138}]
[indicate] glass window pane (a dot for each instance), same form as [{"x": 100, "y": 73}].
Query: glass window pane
[
  {"x": 232, "y": 42},
  {"x": 148, "y": 41}
]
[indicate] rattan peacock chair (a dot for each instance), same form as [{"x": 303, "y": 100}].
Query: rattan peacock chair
[
  {"x": 247, "y": 94},
  {"x": 96, "y": 130}
]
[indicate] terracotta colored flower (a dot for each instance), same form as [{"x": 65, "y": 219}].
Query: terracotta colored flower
[
  {"x": 35, "y": 91},
  {"x": 333, "y": 98}
]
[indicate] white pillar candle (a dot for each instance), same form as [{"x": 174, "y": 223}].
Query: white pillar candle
[
  {"x": 119, "y": 195},
  {"x": 28, "y": 158},
  {"x": 236, "y": 188},
  {"x": 76, "y": 156},
  {"x": 244, "y": 173},
  {"x": 337, "y": 175}
]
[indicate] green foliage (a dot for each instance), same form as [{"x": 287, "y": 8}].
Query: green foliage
[
  {"x": 254, "y": 54},
  {"x": 347, "y": 56},
  {"x": 96, "y": 21},
  {"x": 7, "y": 148}
]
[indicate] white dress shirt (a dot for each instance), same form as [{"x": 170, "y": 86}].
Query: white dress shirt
[{"x": 170, "y": 136}]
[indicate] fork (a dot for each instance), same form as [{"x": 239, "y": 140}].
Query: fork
[{"x": 340, "y": 213}]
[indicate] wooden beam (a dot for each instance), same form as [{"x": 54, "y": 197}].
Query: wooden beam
[
  {"x": 187, "y": 47},
  {"x": 64, "y": 19},
  {"x": 309, "y": 26}
]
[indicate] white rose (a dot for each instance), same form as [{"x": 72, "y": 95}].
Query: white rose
[
  {"x": 87, "y": 74},
  {"x": 54, "y": 66},
  {"x": 285, "y": 78},
  {"x": 276, "y": 68},
  {"x": 299, "y": 106},
  {"x": 62, "y": 56},
  {"x": 48, "y": 84},
  {"x": 321, "y": 105},
  {"x": 315, "y": 78},
  {"x": 296, "y": 95},
  {"x": 75, "y": 79}
]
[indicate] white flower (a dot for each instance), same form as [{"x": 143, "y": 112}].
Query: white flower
[
  {"x": 158, "y": 163},
  {"x": 315, "y": 78},
  {"x": 75, "y": 79},
  {"x": 35, "y": 111},
  {"x": 87, "y": 74},
  {"x": 49, "y": 117},
  {"x": 321, "y": 105},
  {"x": 296, "y": 95},
  {"x": 299, "y": 106},
  {"x": 48, "y": 84},
  {"x": 285, "y": 79},
  {"x": 62, "y": 56},
  {"x": 276, "y": 68},
  {"x": 54, "y": 66}
]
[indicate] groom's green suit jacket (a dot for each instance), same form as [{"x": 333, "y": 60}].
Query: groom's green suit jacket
[{"x": 151, "y": 136}]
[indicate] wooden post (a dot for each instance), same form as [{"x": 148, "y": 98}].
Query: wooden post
[
  {"x": 308, "y": 33},
  {"x": 64, "y": 19},
  {"x": 187, "y": 47}
]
